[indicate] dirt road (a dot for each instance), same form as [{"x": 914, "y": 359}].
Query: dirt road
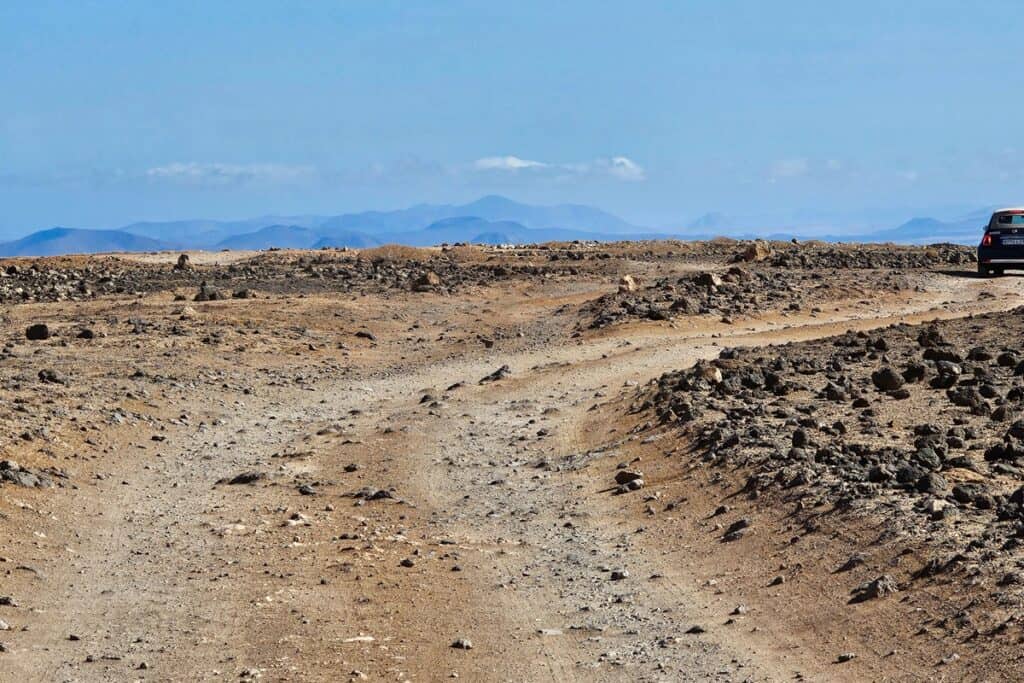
[{"x": 393, "y": 511}]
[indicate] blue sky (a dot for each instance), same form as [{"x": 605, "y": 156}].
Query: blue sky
[{"x": 658, "y": 111}]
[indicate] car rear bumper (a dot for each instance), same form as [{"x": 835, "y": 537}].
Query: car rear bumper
[{"x": 1001, "y": 256}]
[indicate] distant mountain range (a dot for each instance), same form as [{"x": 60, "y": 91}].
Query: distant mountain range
[
  {"x": 489, "y": 220},
  {"x": 57, "y": 241},
  {"x": 965, "y": 230},
  {"x": 418, "y": 225}
]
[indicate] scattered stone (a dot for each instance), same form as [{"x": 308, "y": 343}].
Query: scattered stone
[
  {"x": 756, "y": 252},
  {"x": 626, "y": 476},
  {"x": 52, "y": 377},
  {"x": 209, "y": 293},
  {"x": 429, "y": 281},
  {"x": 887, "y": 379},
  {"x": 244, "y": 478},
  {"x": 882, "y": 586},
  {"x": 736, "y": 530},
  {"x": 37, "y": 332},
  {"x": 501, "y": 373}
]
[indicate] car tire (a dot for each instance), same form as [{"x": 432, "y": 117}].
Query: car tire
[
  {"x": 1000, "y": 272},
  {"x": 984, "y": 271}
]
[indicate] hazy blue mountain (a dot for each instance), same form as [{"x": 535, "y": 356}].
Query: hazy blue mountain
[
  {"x": 281, "y": 236},
  {"x": 347, "y": 238},
  {"x": 466, "y": 229},
  {"x": 926, "y": 230},
  {"x": 374, "y": 227},
  {"x": 492, "y": 220},
  {"x": 377, "y": 222},
  {"x": 201, "y": 233},
  {"x": 56, "y": 241},
  {"x": 477, "y": 230},
  {"x": 491, "y": 208},
  {"x": 567, "y": 216}
]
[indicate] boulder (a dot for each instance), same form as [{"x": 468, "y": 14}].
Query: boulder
[
  {"x": 627, "y": 284},
  {"x": 37, "y": 332},
  {"x": 758, "y": 251},
  {"x": 887, "y": 379},
  {"x": 429, "y": 281}
]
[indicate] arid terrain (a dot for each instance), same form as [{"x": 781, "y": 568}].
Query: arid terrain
[{"x": 659, "y": 461}]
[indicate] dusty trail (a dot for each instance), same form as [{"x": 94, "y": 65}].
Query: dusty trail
[
  {"x": 173, "y": 578},
  {"x": 564, "y": 551}
]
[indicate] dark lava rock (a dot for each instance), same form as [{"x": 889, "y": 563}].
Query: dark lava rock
[
  {"x": 932, "y": 483},
  {"x": 208, "y": 293},
  {"x": 37, "y": 332},
  {"x": 501, "y": 373},
  {"x": 52, "y": 377},
  {"x": 244, "y": 478},
  {"x": 915, "y": 372},
  {"x": 626, "y": 476},
  {"x": 887, "y": 379}
]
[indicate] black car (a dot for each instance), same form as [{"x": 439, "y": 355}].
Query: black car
[{"x": 1002, "y": 246}]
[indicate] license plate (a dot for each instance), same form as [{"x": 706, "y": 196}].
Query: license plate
[{"x": 1012, "y": 241}]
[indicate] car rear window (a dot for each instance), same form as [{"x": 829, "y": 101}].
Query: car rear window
[{"x": 1010, "y": 219}]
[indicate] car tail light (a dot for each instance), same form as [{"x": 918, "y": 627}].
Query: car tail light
[{"x": 986, "y": 241}]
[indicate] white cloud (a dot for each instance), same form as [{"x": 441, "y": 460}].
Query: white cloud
[
  {"x": 625, "y": 168},
  {"x": 618, "y": 167},
  {"x": 196, "y": 173},
  {"x": 506, "y": 163}
]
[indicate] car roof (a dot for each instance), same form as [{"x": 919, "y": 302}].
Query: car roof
[{"x": 1009, "y": 208}]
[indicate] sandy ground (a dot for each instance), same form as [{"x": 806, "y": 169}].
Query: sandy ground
[{"x": 399, "y": 507}]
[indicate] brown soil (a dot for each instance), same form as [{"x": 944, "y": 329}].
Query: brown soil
[{"x": 400, "y": 505}]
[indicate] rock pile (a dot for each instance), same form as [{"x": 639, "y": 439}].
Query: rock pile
[
  {"x": 818, "y": 255},
  {"x": 735, "y": 291},
  {"x": 923, "y": 425}
]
